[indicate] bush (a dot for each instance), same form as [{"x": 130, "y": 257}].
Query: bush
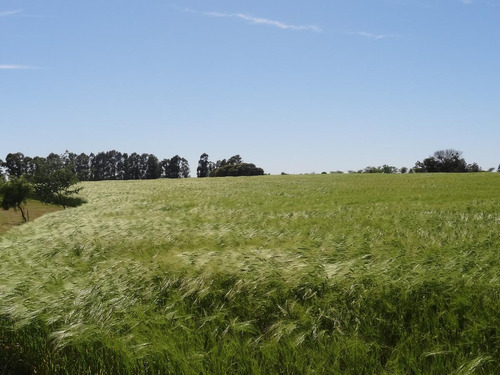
[{"x": 241, "y": 169}]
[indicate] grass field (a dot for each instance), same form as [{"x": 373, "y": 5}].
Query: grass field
[
  {"x": 323, "y": 274},
  {"x": 12, "y": 218}
]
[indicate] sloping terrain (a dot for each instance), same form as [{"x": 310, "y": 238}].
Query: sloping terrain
[{"x": 274, "y": 274}]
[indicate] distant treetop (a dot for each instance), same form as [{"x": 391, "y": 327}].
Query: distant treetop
[
  {"x": 445, "y": 161},
  {"x": 234, "y": 166}
]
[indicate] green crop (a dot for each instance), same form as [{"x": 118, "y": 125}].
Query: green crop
[{"x": 324, "y": 274}]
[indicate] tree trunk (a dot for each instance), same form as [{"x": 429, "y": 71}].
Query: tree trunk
[{"x": 22, "y": 212}]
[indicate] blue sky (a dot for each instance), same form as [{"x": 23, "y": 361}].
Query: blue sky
[{"x": 295, "y": 86}]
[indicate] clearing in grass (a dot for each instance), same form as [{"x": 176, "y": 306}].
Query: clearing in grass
[{"x": 35, "y": 209}]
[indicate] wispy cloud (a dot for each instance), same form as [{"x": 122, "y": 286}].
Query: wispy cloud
[
  {"x": 466, "y": 1},
  {"x": 10, "y": 12},
  {"x": 21, "y": 13},
  {"x": 16, "y": 67},
  {"x": 264, "y": 21},
  {"x": 365, "y": 34}
]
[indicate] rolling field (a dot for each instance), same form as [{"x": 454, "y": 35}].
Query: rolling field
[{"x": 323, "y": 274}]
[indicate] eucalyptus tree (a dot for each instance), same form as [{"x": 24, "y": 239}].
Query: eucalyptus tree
[
  {"x": 15, "y": 164},
  {"x": 153, "y": 169},
  {"x": 204, "y": 166},
  {"x": 82, "y": 167}
]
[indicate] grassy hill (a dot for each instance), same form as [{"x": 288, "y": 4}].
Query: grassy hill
[{"x": 347, "y": 274}]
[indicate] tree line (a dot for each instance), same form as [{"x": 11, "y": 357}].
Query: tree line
[
  {"x": 51, "y": 179},
  {"x": 114, "y": 165},
  {"x": 442, "y": 161},
  {"x": 110, "y": 165}
]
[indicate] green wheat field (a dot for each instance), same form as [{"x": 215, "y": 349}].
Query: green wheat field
[{"x": 313, "y": 274}]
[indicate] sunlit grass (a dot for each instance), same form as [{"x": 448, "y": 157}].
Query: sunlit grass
[{"x": 277, "y": 274}]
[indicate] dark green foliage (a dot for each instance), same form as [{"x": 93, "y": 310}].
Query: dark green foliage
[
  {"x": 173, "y": 169},
  {"x": 220, "y": 163},
  {"x": 15, "y": 164},
  {"x": 53, "y": 181},
  {"x": 236, "y": 159},
  {"x": 241, "y": 169},
  {"x": 372, "y": 170},
  {"x": 445, "y": 161},
  {"x": 81, "y": 167},
  {"x": 14, "y": 194},
  {"x": 473, "y": 168},
  {"x": 234, "y": 166},
  {"x": 115, "y": 166},
  {"x": 383, "y": 169},
  {"x": 153, "y": 168},
  {"x": 205, "y": 167},
  {"x": 56, "y": 188},
  {"x": 389, "y": 169},
  {"x": 133, "y": 167},
  {"x": 185, "y": 170},
  {"x": 2, "y": 175},
  {"x": 98, "y": 165},
  {"x": 176, "y": 167},
  {"x": 110, "y": 165}
]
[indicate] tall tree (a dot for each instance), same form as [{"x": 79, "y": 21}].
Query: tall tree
[
  {"x": 143, "y": 165},
  {"x": 133, "y": 167},
  {"x": 120, "y": 166},
  {"x": 184, "y": 169},
  {"x": 174, "y": 167},
  {"x": 15, "y": 164},
  {"x": 69, "y": 159},
  {"x": 164, "y": 168},
  {"x": 99, "y": 162},
  {"x": 220, "y": 164},
  {"x": 82, "y": 167},
  {"x": 55, "y": 161},
  {"x": 153, "y": 170},
  {"x": 111, "y": 161},
  {"x": 2, "y": 173},
  {"x": 204, "y": 166}
]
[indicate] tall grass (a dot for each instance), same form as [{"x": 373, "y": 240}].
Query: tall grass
[{"x": 347, "y": 274}]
